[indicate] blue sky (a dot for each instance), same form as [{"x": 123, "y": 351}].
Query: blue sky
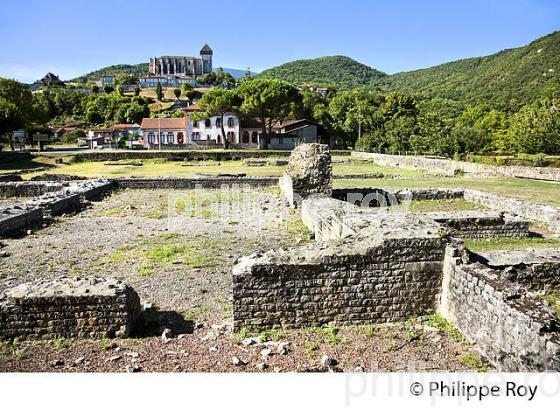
[{"x": 71, "y": 38}]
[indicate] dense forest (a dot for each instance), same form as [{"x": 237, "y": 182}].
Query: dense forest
[{"x": 332, "y": 71}]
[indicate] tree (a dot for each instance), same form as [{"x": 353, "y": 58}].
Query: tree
[
  {"x": 355, "y": 113},
  {"x": 136, "y": 91},
  {"x": 120, "y": 90},
  {"x": 536, "y": 129},
  {"x": 270, "y": 101},
  {"x": 16, "y": 107},
  {"x": 107, "y": 89},
  {"x": 177, "y": 93},
  {"x": 218, "y": 102},
  {"x": 187, "y": 87},
  {"x": 124, "y": 78},
  {"x": 95, "y": 88},
  {"x": 159, "y": 92}
]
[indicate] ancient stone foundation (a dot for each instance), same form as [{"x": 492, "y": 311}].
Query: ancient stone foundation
[
  {"x": 513, "y": 329},
  {"x": 309, "y": 172},
  {"x": 69, "y": 307},
  {"x": 203, "y": 181}
]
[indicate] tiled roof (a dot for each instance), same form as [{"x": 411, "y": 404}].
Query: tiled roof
[
  {"x": 164, "y": 123},
  {"x": 125, "y": 126}
]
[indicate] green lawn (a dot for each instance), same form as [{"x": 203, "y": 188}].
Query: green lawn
[
  {"x": 160, "y": 167},
  {"x": 535, "y": 191},
  {"x": 494, "y": 244}
]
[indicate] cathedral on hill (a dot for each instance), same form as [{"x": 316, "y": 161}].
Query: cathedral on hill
[{"x": 183, "y": 66}]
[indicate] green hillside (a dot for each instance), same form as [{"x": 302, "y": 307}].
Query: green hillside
[
  {"x": 339, "y": 71},
  {"x": 134, "y": 69},
  {"x": 508, "y": 78}
]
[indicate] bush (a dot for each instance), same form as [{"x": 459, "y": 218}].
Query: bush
[
  {"x": 71, "y": 137},
  {"x": 536, "y": 160}
]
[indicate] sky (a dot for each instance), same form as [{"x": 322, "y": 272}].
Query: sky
[{"x": 71, "y": 38}]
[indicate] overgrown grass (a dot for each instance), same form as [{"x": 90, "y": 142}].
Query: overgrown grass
[
  {"x": 446, "y": 327},
  {"x": 553, "y": 299},
  {"x": 474, "y": 361},
  {"x": 169, "y": 248},
  {"x": 491, "y": 244},
  {"x": 331, "y": 334}
]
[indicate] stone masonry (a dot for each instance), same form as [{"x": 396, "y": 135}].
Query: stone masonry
[
  {"x": 309, "y": 171},
  {"x": 369, "y": 268},
  {"x": 69, "y": 307},
  {"x": 512, "y": 328}
]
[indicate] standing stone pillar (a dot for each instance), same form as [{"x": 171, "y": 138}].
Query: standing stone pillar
[{"x": 309, "y": 172}]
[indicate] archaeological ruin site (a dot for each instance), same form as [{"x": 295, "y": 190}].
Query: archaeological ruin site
[{"x": 231, "y": 272}]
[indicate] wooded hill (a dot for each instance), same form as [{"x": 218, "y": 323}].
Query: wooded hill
[{"x": 508, "y": 78}]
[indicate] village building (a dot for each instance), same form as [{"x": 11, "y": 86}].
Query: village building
[
  {"x": 170, "y": 80},
  {"x": 164, "y": 132},
  {"x": 285, "y": 135}
]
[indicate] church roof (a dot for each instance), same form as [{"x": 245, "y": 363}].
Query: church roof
[{"x": 206, "y": 49}]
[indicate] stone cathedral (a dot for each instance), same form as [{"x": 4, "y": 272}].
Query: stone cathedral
[{"x": 183, "y": 66}]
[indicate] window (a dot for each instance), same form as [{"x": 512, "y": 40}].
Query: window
[
  {"x": 219, "y": 139},
  {"x": 254, "y": 137},
  {"x": 245, "y": 137},
  {"x": 218, "y": 122},
  {"x": 151, "y": 138},
  {"x": 180, "y": 139},
  {"x": 170, "y": 138},
  {"x": 230, "y": 122},
  {"x": 207, "y": 123}
]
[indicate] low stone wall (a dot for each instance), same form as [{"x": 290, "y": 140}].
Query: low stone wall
[
  {"x": 537, "y": 212},
  {"x": 536, "y": 269},
  {"x": 28, "y": 188},
  {"x": 189, "y": 155},
  {"x": 208, "y": 181},
  {"x": 69, "y": 307},
  {"x": 515, "y": 331},
  {"x": 56, "y": 204},
  {"x": 341, "y": 284},
  {"x": 450, "y": 167},
  {"x": 481, "y": 224},
  {"x": 16, "y": 221}
]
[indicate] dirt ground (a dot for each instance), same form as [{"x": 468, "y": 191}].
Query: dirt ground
[{"x": 177, "y": 249}]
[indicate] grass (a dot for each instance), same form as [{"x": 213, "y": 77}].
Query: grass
[
  {"x": 330, "y": 332},
  {"x": 529, "y": 190},
  {"x": 446, "y": 327},
  {"x": 491, "y": 244},
  {"x": 169, "y": 248},
  {"x": 263, "y": 335},
  {"x": 60, "y": 344},
  {"x": 474, "y": 361},
  {"x": 553, "y": 299},
  {"x": 162, "y": 167},
  {"x": 454, "y": 205}
]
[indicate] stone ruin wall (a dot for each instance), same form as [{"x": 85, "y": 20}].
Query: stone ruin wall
[
  {"x": 210, "y": 182},
  {"x": 512, "y": 328},
  {"x": 28, "y": 188},
  {"x": 309, "y": 172},
  {"x": 17, "y": 220},
  {"x": 449, "y": 167},
  {"x": 394, "y": 281},
  {"x": 69, "y": 307}
]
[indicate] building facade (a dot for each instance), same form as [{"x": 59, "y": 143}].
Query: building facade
[
  {"x": 170, "y": 80},
  {"x": 183, "y": 66}
]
